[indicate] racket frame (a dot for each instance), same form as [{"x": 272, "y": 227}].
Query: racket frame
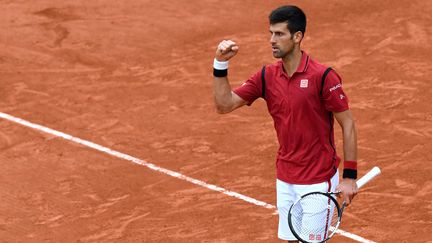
[
  {"x": 375, "y": 171},
  {"x": 338, "y": 209}
]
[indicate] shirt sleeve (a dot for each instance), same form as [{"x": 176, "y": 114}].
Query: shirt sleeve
[
  {"x": 250, "y": 90},
  {"x": 334, "y": 97}
]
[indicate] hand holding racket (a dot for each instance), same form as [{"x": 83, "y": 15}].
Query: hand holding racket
[{"x": 316, "y": 216}]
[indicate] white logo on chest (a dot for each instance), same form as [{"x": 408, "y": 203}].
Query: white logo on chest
[{"x": 304, "y": 83}]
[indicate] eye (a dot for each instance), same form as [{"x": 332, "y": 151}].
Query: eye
[{"x": 277, "y": 33}]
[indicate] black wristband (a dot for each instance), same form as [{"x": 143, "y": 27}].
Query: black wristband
[
  {"x": 220, "y": 73},
  {"x": 349, "y": 173}
]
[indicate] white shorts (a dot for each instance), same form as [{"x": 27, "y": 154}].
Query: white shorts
[{"x": 287, "y": 194}]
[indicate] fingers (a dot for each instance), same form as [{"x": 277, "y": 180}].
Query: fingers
[
  {"x": 226, "y": 46},
  {"x": 226, "y": 50},
  {"x": 347, "y": 191},
  {"x": 347, "y": 198}
]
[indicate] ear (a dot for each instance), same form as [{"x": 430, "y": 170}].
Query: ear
[{"x": 298, "y": 37}]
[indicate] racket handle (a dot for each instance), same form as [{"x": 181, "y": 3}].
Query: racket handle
[{"x": 369, "y": 176}]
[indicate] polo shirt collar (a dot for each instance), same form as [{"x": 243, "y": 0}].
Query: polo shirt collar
[{"x": 304, "y": 63}]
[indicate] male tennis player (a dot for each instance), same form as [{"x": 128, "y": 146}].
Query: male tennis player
[{"x": 303, "y": 98}]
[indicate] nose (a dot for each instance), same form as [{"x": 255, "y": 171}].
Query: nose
[{"x": 272, "y": 39}]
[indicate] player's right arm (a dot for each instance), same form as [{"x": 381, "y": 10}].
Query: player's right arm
[{"x": 225, "y": 99}]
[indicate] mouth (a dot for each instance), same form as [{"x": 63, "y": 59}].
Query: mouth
[{"x": 275, "y": 49}]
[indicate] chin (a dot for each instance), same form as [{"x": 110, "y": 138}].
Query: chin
[{"x": 278, "y": 55}]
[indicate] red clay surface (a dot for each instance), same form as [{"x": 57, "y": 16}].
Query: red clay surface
[{"x": 135, "y": 76}]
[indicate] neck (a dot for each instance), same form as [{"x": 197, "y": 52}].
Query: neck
[{"x": 291, "y": 61}]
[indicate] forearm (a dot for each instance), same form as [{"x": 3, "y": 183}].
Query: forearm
[
  {"x": 350, "y": 141},
  {"x": 348, "y": 186},
  {"x": 225, "y": 100},
  {"x": 350, "y": 150},
  {"x": 222, "y": 95},
  {"x": 349, "y": 134}
]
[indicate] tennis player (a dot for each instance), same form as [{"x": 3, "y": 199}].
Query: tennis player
[{"x": 303, "y": 98}]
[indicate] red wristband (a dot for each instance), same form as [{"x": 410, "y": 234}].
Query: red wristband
[
  {"x": 350, "y": 170},
  {"x": 351, "y": 165}
]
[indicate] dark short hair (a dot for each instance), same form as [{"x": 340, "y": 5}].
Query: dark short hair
[{"x": 290, "y": 14}]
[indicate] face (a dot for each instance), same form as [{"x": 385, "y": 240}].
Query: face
[{"x": 282, "y": 41}]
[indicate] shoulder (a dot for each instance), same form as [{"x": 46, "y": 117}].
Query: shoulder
[
  {"x": 318, "y": 70},
  {"x": 316, "y": 67}
]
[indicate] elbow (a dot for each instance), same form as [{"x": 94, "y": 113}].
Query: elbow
[
  {"x": 220, "y": 111},
  {"x": 223, "y": 109}
]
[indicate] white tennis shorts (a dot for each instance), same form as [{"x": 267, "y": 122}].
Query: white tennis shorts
[{"x": 287, "y": 194}]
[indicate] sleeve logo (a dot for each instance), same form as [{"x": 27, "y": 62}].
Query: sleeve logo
[{"x": 335, "y": 87}]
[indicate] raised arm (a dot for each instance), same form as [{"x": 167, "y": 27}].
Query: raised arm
[{"x": 225, "y": 100}]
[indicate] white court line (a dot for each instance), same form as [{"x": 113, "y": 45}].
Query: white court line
[{"x": 157, "y": 168}]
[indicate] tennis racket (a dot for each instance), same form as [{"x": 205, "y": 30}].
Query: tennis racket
[{"x": 316, "y": 216}]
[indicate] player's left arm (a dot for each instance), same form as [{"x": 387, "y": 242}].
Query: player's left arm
[{"x": 348, "y": 186}]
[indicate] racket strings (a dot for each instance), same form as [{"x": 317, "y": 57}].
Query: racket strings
[{"x": 314, "y": 218}]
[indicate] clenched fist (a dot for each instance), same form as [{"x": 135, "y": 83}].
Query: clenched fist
[{"x": 226, "y": 50}]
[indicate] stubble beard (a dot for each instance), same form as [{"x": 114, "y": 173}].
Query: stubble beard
[
  {"x": 278, "y": 54},
  {"x": 282, "y": 54}
]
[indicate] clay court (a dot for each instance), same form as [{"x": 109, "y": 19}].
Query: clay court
[{"x": 136, "y": 77}]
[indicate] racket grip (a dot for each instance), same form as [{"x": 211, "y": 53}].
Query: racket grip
[{"x": 369, "y": 176}]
